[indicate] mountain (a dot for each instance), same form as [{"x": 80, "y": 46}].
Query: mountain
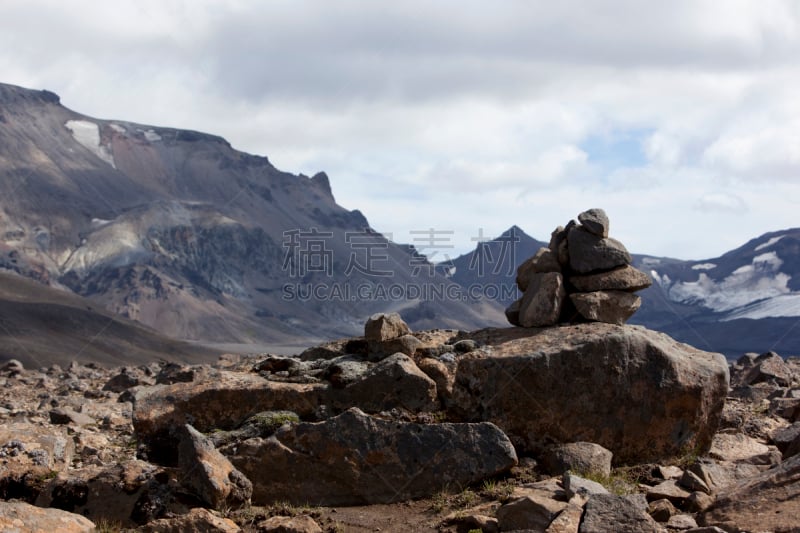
[
  {"x": 41, "y": 326},
  {"x": 177, "y": 230},
  {"x": 747, "y": 300}
]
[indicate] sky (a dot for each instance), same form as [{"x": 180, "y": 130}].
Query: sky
[{"x": 681, "y": 119}]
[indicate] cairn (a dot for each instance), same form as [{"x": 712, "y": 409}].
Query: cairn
[{"x": 582, "y": 275}]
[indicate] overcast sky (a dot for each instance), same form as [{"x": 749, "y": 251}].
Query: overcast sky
[{"x": 680, "y": 118}]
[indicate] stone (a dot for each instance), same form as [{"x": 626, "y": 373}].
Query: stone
[
  {"x": 465, "y": 346},
  {"x": 512, "y": 313},
  {"x": 541, "y": 303},
  {"x": 197, "y": 520},
  {"x": 698, "y": 502},
  {"x": 68, "y": 416},
  {"x": 35, "y": 447},
  {"x": 768, "y": 367},
  {"x": 787, "y": 440},
  {"x": 394, "y": 382},
  {"x": 576, "y": 485},
  {"x": 122, "y": 381},
  {"x": 589, "y": 253},
  {"x": 719, "y": 475},
  {"x": 177, "y": 373},
  {"x": 405, "y": 344},
  {"x": 542, "y": 262},
  {"x": 595, "y": 221},
  {"x": 19, "y": 517},
  {"x": 668, "y": 490},
  {"x": 578, "y": 457},
  {"x": 385, "y": 326},
  {"x": 681, "y": 522},
  {"x": 661, "y": 510},
  {"x": 440, "y": 374},
  {"x": 769, "y": 501},
  {"x": 567, "y": 521},
  {"x": 621, "y": 514},
  {"x": 222, "y": 400},
  {"x": 636, "y": 392},
  {"x": 289, "y": 524},
  {"x": 691, "y": 481},
  {"x": 208, "y": 474},
  {"x": 356, "y": 459},
  {"x": 261, "y": 424},
  {"x": 528, "y": 513},
  {"x": 740, "y": 447},
  {"x": 472, "y": 522},
  {"x": 624, "y": 278},
  {"x": 611, "y": 307}
]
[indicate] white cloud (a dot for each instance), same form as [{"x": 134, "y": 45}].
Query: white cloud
[{"x": 462, "y": 114}]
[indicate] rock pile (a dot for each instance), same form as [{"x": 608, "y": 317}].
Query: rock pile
[{"x": 582, "y": 275}]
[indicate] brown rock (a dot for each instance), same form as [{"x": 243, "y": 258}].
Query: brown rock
[
  {"x": 197, "y": 520},
  {"x": 385, "y": 326},
  {"x": 787, "y": 440},
  {"x": 567, "y": 521},
  {"x": 740, "y": 447},
  {"x": 611, "y": 307},
  {"x": 355, "y": 459},
  {"x": 406, "y": 344},
  {"x": 595, "y": 221},
  {"x": 661, "y": 510},
  {"x": 68, "y": 416},
  {"x": 542, "y": 262},
  {"x": 440, "y": 374},
  {"x": 19, "y": 517},
  {"x": 624, "y": 278},
  {"x": 222, "y": 400},
  {"x": 698, "y": 502},
  {"x": 396, "y": 381},
  {"x": 636, "y": 392},
  {"x": 668, "y": 490},
  {"x": 541, "y": 303},
  {"x": 528, "y": 513},
  {"x": 289, "y": 524},
  {"x": 769, "y": 501},
  {"x": 208, "y": 474},
  {"x": 589, "y": 253}
]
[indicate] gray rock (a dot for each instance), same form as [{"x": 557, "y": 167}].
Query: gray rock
[
  {"x": 681, "y": 522},
  {"x": 691, "y": 481},
  {"x": 465, "y": 346},
  {"x": 354, "y": 459},
  {"x": 579, "y": 457},
  {"x": 542, "y": 262},
  {"x": 768, "y": 367},
  {"x": 208, "y": 474},
  {"x": 576, "y": 485},
  {"x": 533, "y": 513},
  {"x": 668, "y": 490},
  {"x": 542, "y": 301},
  {"x": 666, "y": 396},
  {"x": 385, "y": 326},
  {"x": 595, "y": 221},
  {"x": 624, "y": 278},
  {"x": 787, "y": 440},
  {"x": 611, "y": 307},
  {"x": 621, "y": 514},
  {"x": 589, "y": 253}
]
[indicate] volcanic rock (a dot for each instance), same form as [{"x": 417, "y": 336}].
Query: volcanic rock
[{"x": 355, "y": 459}]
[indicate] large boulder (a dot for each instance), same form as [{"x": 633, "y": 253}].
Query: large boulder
[
  {"x": 636, "y": 392},
  {"x": 612, "y": 307},
  {"x": 542, "y": 301},
  {"x": 624, "y": 278},
  {"x": 589, "y": 252},
  {"x": 355, "y": 459},
  {"x": 385, "y": 326}
]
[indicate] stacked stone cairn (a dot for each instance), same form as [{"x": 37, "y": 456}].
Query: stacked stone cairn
[{"x": 583, "y": 275}]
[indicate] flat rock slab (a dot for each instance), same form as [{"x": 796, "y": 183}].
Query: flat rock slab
[
  {"x": 638, "y": 393},
  {"x": 20, "y": 517},
  {"x": 222, "y": 401},
  {"x": 355, "y": 459},
  {"x": 769, "y": 501}
]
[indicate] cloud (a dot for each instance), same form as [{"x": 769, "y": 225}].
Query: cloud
[{"x": 461, "y": 113}]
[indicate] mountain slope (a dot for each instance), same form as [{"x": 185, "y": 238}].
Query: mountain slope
[
  {"x": 40, "y": 326},
  {"x": 183, "y": 233}
]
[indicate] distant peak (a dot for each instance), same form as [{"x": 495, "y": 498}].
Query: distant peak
[
  {"x": 15, "y": 94},
  {"x": 321, "y": 179}
]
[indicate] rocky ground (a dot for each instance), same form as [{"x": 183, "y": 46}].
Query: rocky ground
[{"x": 592, "y": 427}]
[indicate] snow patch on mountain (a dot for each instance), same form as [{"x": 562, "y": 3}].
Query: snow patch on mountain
[
  {"x": 87, "y": 134},
  {"x": 704, "y": 266},
  {"x": 769, "y": 243},
  {"x": 784, "y": 305},
  {"x": 739, "y": 292}
]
